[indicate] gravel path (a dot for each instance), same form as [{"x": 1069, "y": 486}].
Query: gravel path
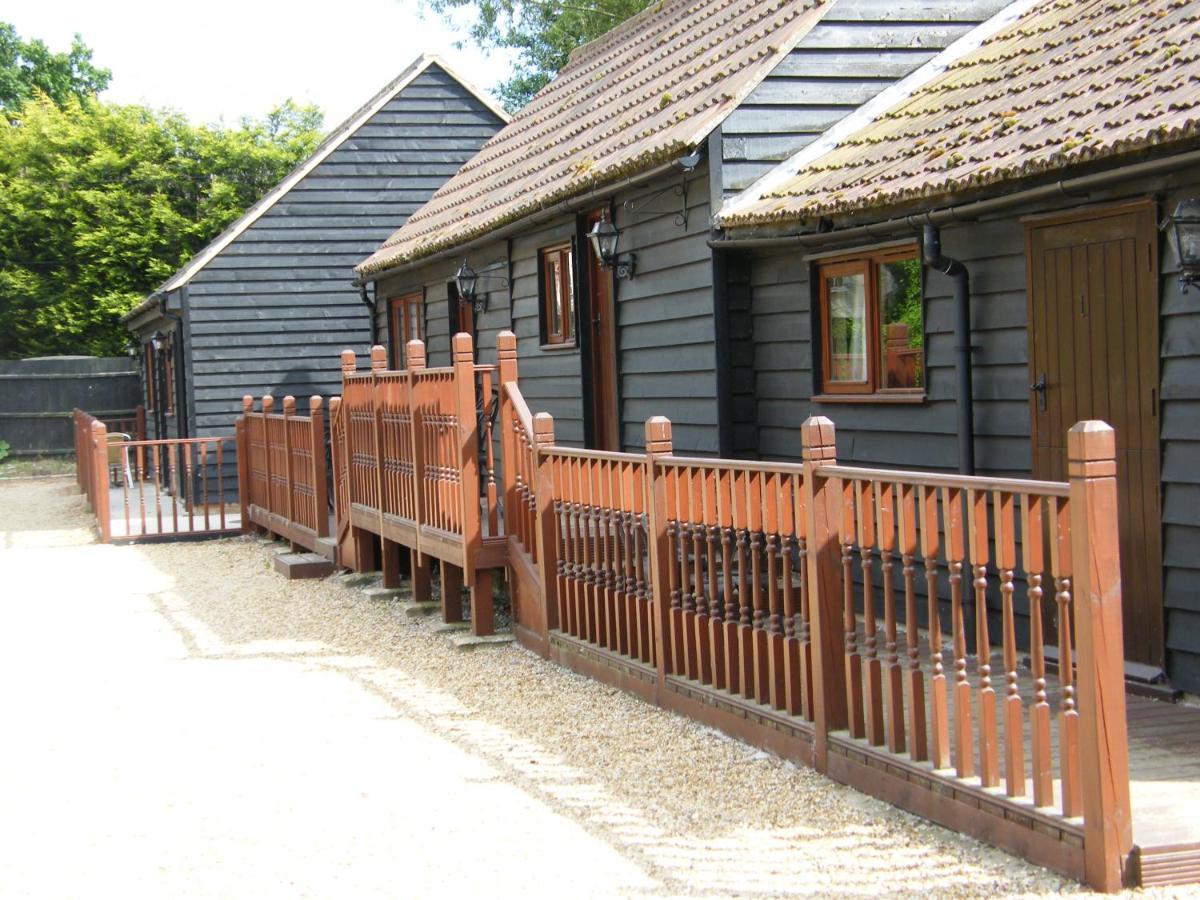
[{"x": 182, "y": 721}]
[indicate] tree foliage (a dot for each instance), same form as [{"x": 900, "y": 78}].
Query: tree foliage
[
  {"x": 544, "y": 32},
  {"x": 29, "y": 67},
  {"x": 99, "y": 203}
]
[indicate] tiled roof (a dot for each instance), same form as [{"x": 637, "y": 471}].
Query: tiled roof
[
  {"x": 1068, "y": 82},
  {"x": 648, "y": 91}
]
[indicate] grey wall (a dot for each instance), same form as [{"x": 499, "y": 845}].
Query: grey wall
[
  {"x": 858, "y": 49},
  {"x": 923, "y": 436},
  {"x": 38, "y": 395},
  {"x": 272, "y": 312},
  {"x": 665, "y": 345}
]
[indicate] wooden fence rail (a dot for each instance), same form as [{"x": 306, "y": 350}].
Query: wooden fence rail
[
  {"x": 874, "y": 623},
  {"x": 284, "y": 472}
]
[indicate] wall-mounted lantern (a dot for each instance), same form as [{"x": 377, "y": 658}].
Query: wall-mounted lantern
[
  {"x": 604, "y": 237},
  {"x": 467, "y": 280},
  {"x": 158, "y": 341},
  {"x": 1185, "y": 222}
]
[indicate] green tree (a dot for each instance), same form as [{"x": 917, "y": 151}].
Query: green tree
[
  {"x": 29, "y": 67},
  {"x": 99, "y": 203},
  {"x": 544, "y": 32}
]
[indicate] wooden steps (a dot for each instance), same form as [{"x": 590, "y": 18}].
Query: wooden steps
[
  {"x": 302, "y": 565},
  {"x": 1167, "y": 865}
]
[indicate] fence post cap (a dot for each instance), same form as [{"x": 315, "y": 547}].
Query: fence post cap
[
  {"x": 247, "y": 403},
  {"x": 349, "y": 362},
  {"x": 335, "y": 402},
  {"x": 1091, "y": 449},
  {"x": 464, "y": 348},
  {"x": 415, "y": 354},
  {"x": 658, "y": 434},
  {"x": 818, "y": 437},
  {"x": 314, "y": 403},
  {"x": 378, "y": 358},
  {"x": 506, "y": 345},
  {"x": 543, "y": 428},
  {"x": 268, "y": 403},
  {"x": 289, "y": 405}
]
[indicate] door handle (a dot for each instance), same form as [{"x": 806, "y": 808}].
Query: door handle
[{"x": 1040, "y": 387}]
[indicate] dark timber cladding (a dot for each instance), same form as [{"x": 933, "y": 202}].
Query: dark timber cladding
[
  {"x": 923, "y": 435},
  {"x": 857, "y": 49},
  {"x": 270, "y": 313}
]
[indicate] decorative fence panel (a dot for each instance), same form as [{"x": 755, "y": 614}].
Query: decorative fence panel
[{"x": 284, "y": 483}]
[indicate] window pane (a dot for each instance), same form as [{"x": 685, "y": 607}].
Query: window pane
[
  {"x": 847, "y": 327},
  {"x": 901, "y": 329},
  {"x": 554, "y": 287},
  {"x": 570, "y": 292}
]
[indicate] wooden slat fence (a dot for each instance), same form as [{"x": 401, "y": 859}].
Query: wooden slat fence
[
  {"x": 865, "y": 619},
  {"x": 284, "y": 471},
  {"x": 154, "y": 489}
]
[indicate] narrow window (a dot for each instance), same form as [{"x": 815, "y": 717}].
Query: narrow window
[
  {"x": 872, "y": 324},
  {"x": 407, "y": 323},
  {"x": 558, "y": 296}
]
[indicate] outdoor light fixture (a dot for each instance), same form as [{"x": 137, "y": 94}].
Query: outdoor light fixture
[
  {"x": 1186, "y": 222},
  {"x": 467, "y": 279},
  {"x": 604, "y": 237},
  {"x": 158, "y": 341}
]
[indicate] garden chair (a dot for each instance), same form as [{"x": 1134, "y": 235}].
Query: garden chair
[{"x": 118, "y": 459}]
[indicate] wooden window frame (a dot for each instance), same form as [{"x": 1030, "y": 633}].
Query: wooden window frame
[
  {"x": 865, "y": 262},
  {"x": 398, "y": 322},
  {"x": 568, "y": 335}
]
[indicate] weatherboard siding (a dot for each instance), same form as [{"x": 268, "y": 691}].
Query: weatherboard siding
[
  {"x": 859, "y": 48},
  {"x": 924, "y": 436},
  {"x": 273, "y": 310}
]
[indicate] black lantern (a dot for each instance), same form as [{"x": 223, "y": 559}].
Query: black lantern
[
  {"x": 1186, "y": 223},
  {"x": 604, "y": 237},
  {"x": 466, "y": 279},
  {"x": 158, "y": 341}
]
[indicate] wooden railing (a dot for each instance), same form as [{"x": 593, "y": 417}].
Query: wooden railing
[
  {"x": 414, "y": 468},
  {"x": 905, "y": 622},
  {"x": 284, "y": 470},
  {"x": 143, "y": 489}
]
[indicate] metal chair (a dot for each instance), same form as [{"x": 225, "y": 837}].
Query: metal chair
[{"x": 118, "y": 459}]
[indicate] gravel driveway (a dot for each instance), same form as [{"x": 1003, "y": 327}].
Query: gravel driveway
[{"x": 181, "y": 721}]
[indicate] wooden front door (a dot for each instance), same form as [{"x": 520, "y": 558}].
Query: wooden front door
[
  {"x": 1093, "y": 338},
  {"x": 406, "y": 320},
  {"x": 601, "y": 361}
]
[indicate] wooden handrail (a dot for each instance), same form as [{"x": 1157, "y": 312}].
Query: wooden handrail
[{"x": 520, "y": 408}]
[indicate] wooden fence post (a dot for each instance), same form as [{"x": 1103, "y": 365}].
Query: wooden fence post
[
  {"x": 480, "y": 582},
  {"x": 243, "y": 460},
  {"x": 419, "y": 564},
  {"x": 289, "y": 410},
  {"x": 506, "y": 354},
  {"x": 139, "y": 422},
  {"x": 821, "y": 509},
  {"x": 100, "y": 479},
  {"x": 320, "y": 472},
  {"x": 547, "y": 525},
  {"x": 658, "y": 443},
  {"x": 1103, "y": 745},
  {"x": 268, "y": 408},
  {"x": 378, "y": 365}
]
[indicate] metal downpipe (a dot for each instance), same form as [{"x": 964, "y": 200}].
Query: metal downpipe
[{"x": 964, "y": 395}]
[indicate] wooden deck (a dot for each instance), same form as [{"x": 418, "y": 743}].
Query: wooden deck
[{"x": 146, "y": 511}]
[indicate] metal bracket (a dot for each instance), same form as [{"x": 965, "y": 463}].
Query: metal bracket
[{"x": 640, "y": 206}]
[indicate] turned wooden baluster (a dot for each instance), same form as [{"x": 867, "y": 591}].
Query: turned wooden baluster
[
  {"x": 595, "y": 519},
  {"x": 952, "y": 517},
  {"x": 757, "y": 558},
  {"x": 937, "y": 687},
  {"x": 716, "y": 617},
  {"x": 906, "y": 520},
  {"x": 885, "y": 510},
  {"x": 873, "y": 686},
  {"x": 977, "y": 529},
  {"x": 641, "y": 551},
  {"x": 804, "y": 623},
  {"x": 700, "y": 631},
  {"x": 745, "y": 586},
  {"x": 574, "y": 568},
  {"x": 562, "y": 554},
  {"x": 847, "y": 531},
  {"x": 730, "y": 637},
  {"x": 1068, "y": 724},
  {"x": 687, "y": 586},
  {"x": 619, "y": 627},
  {"x": 788, "y": 653},
  {"x": 1033, "y": 558},
  {"x": 775, "y": 501},
  {"x": 1004, "y": 514},
  {"x": 608, "y": 512},
  {"x": 587, "y": 572},
  {"x": 675, "y": 625}
]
